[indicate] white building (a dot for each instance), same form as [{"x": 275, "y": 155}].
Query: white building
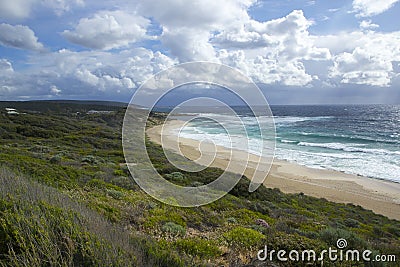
[{"x": 12, "y": 111}]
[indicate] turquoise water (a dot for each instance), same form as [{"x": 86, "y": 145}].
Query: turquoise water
[{"x": 361, "y": 140}]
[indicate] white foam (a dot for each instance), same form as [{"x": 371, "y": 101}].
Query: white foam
[
  {"x": 352, "y": 158},
  {"x": 350, "y": 148}
]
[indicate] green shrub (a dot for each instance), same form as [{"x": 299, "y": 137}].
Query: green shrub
[
  {"x": 197, "y": 247},
  {"x": 280, "y": 240},
  {"x": 56, "y": 159},
  {"x": 115, "y": 193},
  {"x": 119, "y": 173},
  {"x": 177, "y": 177},
  {"x": 244, "y": 238},
  {"x": 163, "y": 214},
  {"x": 96, "y": 183},
  {"x": 196, "y": 184},
  {"x": 351, "y": 223},
  {"x": 263, "y": 207},
  {"x": 90, "y": 159},
  {"x": 260, "y": 229},
  {"x": 173, "y": 229},
  {"x": 331, "y": 235},
  {"x": 39, "y": 149},
  {"x": 124, "y": 182},
  {"x": 231, "y": 220}
]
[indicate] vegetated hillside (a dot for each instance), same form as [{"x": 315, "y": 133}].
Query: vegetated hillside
[
  {"x": 61, "y": 106},
  {"x": 67, "y": 198}
]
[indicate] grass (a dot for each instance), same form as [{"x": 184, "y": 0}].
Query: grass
[{"x": 67, "y": 198}]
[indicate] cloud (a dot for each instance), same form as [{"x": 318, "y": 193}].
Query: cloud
[
  {"x": 106, "y": 71},
  {"x": 54, "y": 90},
  {"x": 242, "y": 38},
  {"x": 272, "y": 51},
  {"x": 86, "y": 74},
  {"x": 341, "y": 42},
  {"x": 188, "y": 44},
  {"x": 5, "y": 66},
  {"x": 188, "y": 26},
  {"x": 206, "y": 14},
  {"x": 7, "y": 78},
  {"x": 360, "y": 67},
  {"x": 19, "y": 36},
  {"x": 107, "y": 30},
  {"x": 286, "y": 37},
  {"x": 62, "y": 6},
  {"x": 284, "y": 52},
  {"x": 22, "y": 9},
  {"x": 267, "y": 70},
  {"x": 367, "y": 25},
  {"x": 370, "y": 63},
  {"x": 369, "y": 8},
  {"x": 16, "y": 9}
]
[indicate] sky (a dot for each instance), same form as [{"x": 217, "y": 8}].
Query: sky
[{"x": 297, "y": 52}]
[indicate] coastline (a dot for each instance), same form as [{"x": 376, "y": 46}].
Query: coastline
[{"x": 382, "y": 197}]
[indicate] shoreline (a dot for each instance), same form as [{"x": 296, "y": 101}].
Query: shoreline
[{"x": 380, "y": 196}]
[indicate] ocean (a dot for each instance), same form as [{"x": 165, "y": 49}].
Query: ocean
[{"x": 357, "y": 139}]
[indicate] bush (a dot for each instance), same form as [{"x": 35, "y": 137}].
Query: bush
[
  {"x": 115, "y": 193},
  {"x": 119, "y": 173},
  {"x": 245, "y": 238},
  {"x": 124, "y": 182},
  {"x": 55, "y": 159},
  {"x": 173, "y": 229},
  {"x": 175, "y": 176},
  {"x": 331, "y": 235},
  {"x": 231, "y": 220},
  {"x": 351, "y": 223},
  {"x": 197, "y": 247},
  {"x": 39, "y": 226},
  {"x": 92, "y": 160},
  {"x": 280, "y": 240}
]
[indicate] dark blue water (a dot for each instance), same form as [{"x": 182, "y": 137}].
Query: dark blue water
[{"x": 363, "y": 140}]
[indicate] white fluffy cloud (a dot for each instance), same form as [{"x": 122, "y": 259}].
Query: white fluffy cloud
[
  {"x": 267, "y": 70},
  {"x": 206, "y": 14},
  {"x": 283, "y": 44},
  {"x": 341, "y": 42},
  {"x": 368, "y": 8},
  {"x": 188, "y": 26},
  {"x": 108, "y": 29},
  {"x": 370, "y": 63},
  {"x": 360, "y": 67},
  {"x": 368, "y": 25},
  {"x": 188, "y": 44},
  {"x": 196, "y": 31},
  {"x": 287, "y": 37},
  {"x": 19, "y": 36}
]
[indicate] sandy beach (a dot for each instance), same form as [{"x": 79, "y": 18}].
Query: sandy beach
[{"x": 382, "y": 197}]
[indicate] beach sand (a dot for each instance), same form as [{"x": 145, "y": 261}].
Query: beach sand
[{"x": 382, "y": 197}]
